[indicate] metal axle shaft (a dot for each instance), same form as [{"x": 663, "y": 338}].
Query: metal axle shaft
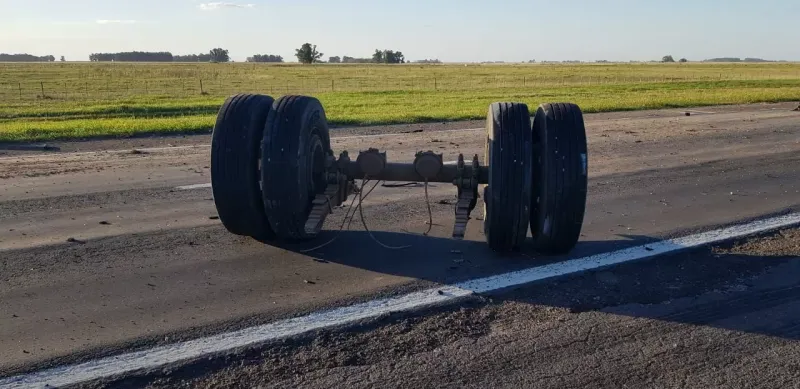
[{"x": 372, "y": 164}]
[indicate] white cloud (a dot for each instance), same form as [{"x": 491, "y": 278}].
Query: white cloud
[
  {"x": 106, "y": 21},
  {"x": 220, "y": 5}
]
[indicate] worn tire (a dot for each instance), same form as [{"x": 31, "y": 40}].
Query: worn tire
[
  {"x": 235, "y": 149},
  {"x": 507, "y": 196},
  {"x": 295, "y": 134},
  {"x": 560, "y": 177}
]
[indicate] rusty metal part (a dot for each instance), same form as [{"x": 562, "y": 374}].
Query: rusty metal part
[
  {"x": 404, "y": 172},
  {"x": 371, "y": 162},
  {"x": 467, "y": 184},
  {"x": 338, "y": 189},
  {"x": 428, "y": 164}
]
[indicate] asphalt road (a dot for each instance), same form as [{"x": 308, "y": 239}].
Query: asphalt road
[
  {"x": 100, "y": 252},
  {"x": 721, "y": 317}
]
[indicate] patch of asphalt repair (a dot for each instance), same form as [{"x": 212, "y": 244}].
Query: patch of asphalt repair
[{"x": 680, "y": 321}]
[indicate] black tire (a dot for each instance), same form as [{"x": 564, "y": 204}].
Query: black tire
[
  {"x": 295, "y": 135},
  {"x": 235, "y": 150},
  {"x": 507, "y": 196},
  {"x": 560, "y": 177}
]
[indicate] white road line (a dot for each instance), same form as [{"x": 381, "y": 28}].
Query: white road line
[
  {"x": 705, "y": 112},
  {"x": 227, "y": 342},
  {"x": 195, "y": 186},
  {"x": 208, "y": 184}
]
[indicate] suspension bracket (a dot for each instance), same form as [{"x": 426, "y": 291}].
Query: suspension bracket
[{"x": 467, "y": 186}]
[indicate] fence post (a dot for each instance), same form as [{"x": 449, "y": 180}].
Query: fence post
[
  {"x": 435, "y": 86},
  {"x": 332, "y": 85},
  {"x": 201, "y": 87},
  {"x": 42, "y": 85},
  {"x": 19, "y": 84}
]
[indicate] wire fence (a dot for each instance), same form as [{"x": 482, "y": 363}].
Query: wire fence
[{"x": 86, "y": 89}]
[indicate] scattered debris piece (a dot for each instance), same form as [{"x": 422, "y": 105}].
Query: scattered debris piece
[
  {"x": 445, "y": 202},
  {"x": 214, "y": 217},
  {"x": 105, "y": 223},
  {"x": 309, "y": 282},
  {"x": 73, "y": 240},
  {"x": 440, "y": 292},
  {"x": 137, "y": 152},
  {"x": 688, "y": 114},
  {"x": 151, "y": 285}
]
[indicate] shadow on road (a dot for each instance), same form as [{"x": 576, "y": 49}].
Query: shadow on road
[
  {"x": 697, "y": 287},
  {"x": 436, "y": 259}
]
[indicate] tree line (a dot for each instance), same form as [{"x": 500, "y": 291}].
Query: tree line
[
  {"x": 214, "y": 55},
  {"x": 308, "y": 53},
  {"x": 26, "y": 58}
]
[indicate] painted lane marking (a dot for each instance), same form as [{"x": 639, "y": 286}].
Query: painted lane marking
[
  {"x": 168, "y": 354},
  {"x": 208, "y": 184},
  {"x": 704, "y": 112},
  {"x": 195, "y": 186}
]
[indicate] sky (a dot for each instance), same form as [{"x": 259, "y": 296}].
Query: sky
[{"x": 449, "y": 30}]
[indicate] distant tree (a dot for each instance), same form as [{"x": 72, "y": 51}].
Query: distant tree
[
  {"x": 377, "y": 57},
  {"x": 219, "y": 55},
  {"x": 265, "y": 58},
  {"x": 427, "y": 61},
  {"x": 667, "y": 58},
  {"x": 683, "y": 60},
  {"x": 388, "y": 56},
  {"x": 131, "y": 56},
  {"x": 347, "y": 59},
  {"x": 63, "y": 59},
  {"x": 394, "y": 57},
  {"x": 25, "y": 58},
  {"x": 202, "y": 57},
  {"x": 308, "y": 54},
  {"x": 334, "y": 60}
]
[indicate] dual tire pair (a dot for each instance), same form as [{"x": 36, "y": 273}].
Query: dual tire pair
[
  {"x": 268, "y": 163},
  {"x": 537, "y": 177}
]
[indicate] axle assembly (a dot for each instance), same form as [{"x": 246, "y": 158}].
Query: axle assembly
[{"x": 275, "y": 177}]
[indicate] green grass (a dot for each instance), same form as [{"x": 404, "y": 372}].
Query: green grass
[{"x": 373, "y": 94}]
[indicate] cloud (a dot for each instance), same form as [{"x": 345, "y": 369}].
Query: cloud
[
  {"x": 106, "y": 21},
  {"x": 220, "y": 5}
]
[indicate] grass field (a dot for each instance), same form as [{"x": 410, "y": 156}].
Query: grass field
[{"x": 78, "y": 100}]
